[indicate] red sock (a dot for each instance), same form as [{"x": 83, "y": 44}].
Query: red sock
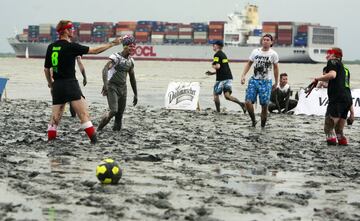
[
  {"x": 52, "y": 131},
  {"x": 342, "y": 140},
  {"x": 89, "y": 129}
]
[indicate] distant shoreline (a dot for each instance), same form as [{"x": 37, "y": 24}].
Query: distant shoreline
[
  {"x": 352, "y": 62},
  {"x": 7, "y": 55}
]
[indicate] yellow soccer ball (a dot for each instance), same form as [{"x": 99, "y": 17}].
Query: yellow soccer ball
[{"x": 108, "y": 172}]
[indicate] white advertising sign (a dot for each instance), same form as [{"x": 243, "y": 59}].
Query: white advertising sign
[
  {"x": 316, "y": 103},
  {"x": 182, "y": 95}
]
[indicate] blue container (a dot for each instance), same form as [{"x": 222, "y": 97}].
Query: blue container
[
  {"x": 257, "y": 32},
  {"x": 304, "y": 34},
  {"x": 185, "y": 41},
  {"x": 171, "y": 41},
  {"x": 300, "y": 41},
  {"x": 76, "y": 24},
  {"x": 159, "y": 28},
  {"x": 142, "y": 30},
  {"x": 198, "y": 25},
  {"x": 200, "y": 29},
  {"x": 33, "y": 27},
  {"x": 151, "y": 23}
]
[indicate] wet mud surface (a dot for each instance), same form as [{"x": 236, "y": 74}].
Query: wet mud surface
[{"x": 176, "y": 166}]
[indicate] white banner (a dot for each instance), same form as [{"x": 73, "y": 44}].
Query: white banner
[
  {"x": 182, "y": 95},
  {"x": 316, "y": 103}
]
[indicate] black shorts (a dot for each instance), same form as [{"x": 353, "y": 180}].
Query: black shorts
[
  {"x": 66, "y": 90},
  {"x": 338, "y": 110}
]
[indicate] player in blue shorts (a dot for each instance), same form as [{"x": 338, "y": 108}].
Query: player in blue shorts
[{"x": 265, "y": 62}]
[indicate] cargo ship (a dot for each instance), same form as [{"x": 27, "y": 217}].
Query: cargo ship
[{"x": 295, "y": 42}]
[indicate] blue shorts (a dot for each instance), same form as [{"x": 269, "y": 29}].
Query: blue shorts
[
  {"x": 261, "y": 87},
  {"x": 223, "y": 86}
]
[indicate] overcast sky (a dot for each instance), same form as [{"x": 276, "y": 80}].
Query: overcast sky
[{"x": 343, "y": 14}]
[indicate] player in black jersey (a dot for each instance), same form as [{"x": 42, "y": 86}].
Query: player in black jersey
[
  {"x": 223, "y": 77},
  {"x": 340, "y": 99},
  {"x": 60, "y": 58}
]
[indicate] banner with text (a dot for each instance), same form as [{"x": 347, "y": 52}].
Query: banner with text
[
  {"x": 316, "y": 103},
  {"x": 182, "y": 95}
]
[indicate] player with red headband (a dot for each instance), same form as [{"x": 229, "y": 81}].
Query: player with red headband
[
  {"x": 340, "y": 99},
  {"x": 114, "y": 77},
  {"x": 60, "y": 58}
]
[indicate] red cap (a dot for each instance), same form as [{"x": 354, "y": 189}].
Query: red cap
[
  {"x": 68, "y": 26},
  {"x": 336, "y": 52}
]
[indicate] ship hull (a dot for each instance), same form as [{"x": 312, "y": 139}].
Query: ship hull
[{"x": 168, "y": 52}]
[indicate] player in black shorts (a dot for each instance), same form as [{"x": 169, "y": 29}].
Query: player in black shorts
[
  {"x": 60, "y": 58},
  {"x": 340, "y": 99}
]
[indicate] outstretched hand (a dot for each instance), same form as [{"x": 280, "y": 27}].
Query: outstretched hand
[
  {"x": 208, "y": 73},
  {"x": 310, "y": 87},
  {"x": 135, "y": 100},
  {"x": 117, "y": 40}
]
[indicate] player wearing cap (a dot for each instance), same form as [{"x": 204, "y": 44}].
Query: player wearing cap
[
  {"x": 60, "y": 58},
  {"x": 340, "y": 99},
  {"x": 223, "y": 76},
  {"x": 265, "y": 62},
  {"x": 114, "y": 77}
]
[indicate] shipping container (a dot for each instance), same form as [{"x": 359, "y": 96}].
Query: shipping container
[
  {"x": 300, "y": 41},
  {"x": 85, "y": 38},
  {"x": 257, "y": 32},
  {"x": 303, "y": 28},
  {"x": 216, "y": 23},
  {"x": 86, "y": 26},
  {"x": 200, "y": 41}
]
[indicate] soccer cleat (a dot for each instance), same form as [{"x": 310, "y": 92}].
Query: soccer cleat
[
  {"x": 263, "y": 123},
  {"x": 331, "y": 141},
  {"x": 51, "y": 135},
  {"x": 343, "y": 141},
  {"x": 117, "y": 127},
  {"x": 52, "y": 132}
]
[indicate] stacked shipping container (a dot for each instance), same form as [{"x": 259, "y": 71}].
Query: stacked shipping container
[
  {"x": 85, "y": 30},
  {"x": 200, "y": 33},
  {"x": 185, "y": 34},
  {"x": 33, "y": 32},
  {"x": 143, "y": 31},
  {"x": 285, "y": 33},
  {"x": 216, "y": 30},
  {"x": 171, "y": 33},
  {"x": 46, "y": 33},
  {"x": 124, "y": 28},
  {"x": 158, "y": 33},
  {"x": 102, "y": 31},
  {"x": 301, "y": 37},
  {"x": 270, "y": 27}
]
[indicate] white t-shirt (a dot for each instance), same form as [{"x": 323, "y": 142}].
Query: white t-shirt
[
  {"x": 121, "y": 65},
  {"x": 263, "y": 63},
  {"x": 284, "y": 89}
]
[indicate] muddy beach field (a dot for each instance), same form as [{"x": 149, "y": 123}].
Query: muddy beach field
[{"x": 176, "y": 166}]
